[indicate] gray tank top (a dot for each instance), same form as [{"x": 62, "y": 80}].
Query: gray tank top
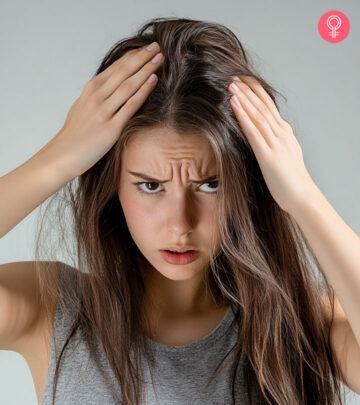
[{"x": 180, "y": 375}]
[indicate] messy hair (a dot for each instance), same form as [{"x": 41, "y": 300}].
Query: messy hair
[{"x": 265, "y": 267}]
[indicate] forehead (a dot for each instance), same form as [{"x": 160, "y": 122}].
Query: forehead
[{"x": 167, "y": 146}]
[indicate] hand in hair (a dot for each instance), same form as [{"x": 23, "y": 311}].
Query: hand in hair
[
  {"x": 97, "y": 118},
  {"x": 274, "y": 144}
]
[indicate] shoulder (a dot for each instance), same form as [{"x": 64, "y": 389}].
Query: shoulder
[
  {"x": 344, "y": 345},
  {"x": 20, "y": 301},
  {"x": 27, "y": 311}
]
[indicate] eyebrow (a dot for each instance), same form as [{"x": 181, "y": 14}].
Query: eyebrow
[{"x": 152, "y": 179}]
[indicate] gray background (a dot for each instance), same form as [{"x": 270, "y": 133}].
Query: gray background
[{"x": 49, "y": 50}]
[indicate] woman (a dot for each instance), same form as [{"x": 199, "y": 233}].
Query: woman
[{"x": 189, "y": 163}]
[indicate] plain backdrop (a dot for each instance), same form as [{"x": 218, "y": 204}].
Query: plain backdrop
[{"x": 49, "y": 50}]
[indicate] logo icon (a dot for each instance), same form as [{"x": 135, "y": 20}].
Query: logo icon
[{"x": 334, "y": 26}]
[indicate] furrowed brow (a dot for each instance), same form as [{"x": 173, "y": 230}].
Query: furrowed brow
[{"x": 152, "y": 179}]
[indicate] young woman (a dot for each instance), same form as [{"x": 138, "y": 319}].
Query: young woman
[{"x": 251, "y": 312}]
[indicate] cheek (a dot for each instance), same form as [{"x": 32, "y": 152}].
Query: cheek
[
  {"x": 140, "y": 221},
  {"x": 210, "y": 216},
  {"x": 210, "y": 223}
]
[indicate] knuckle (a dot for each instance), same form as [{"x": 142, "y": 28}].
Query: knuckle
[
  {"x": 285, "y": 124},
  {"x": 259, "y": 117},
  {"x": 263, "y": 110},
  {"x": 117, "y": 75},
  {"x": 255, "y": 85},
  {"x": 131, "y": 103},
  {"x": 91, "y": 85},
  {"x": 94, "y": 100},
  {"x": 126, "y": 86},
  {"x": 101, "y": 115},
  {"x": 242, "y": 86},
  {"x": 132, "y": 51}
]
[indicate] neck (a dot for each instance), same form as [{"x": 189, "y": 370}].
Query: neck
[{"x": 174, "y": 298}]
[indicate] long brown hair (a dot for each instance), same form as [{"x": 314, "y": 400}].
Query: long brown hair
[{"x": 265, "y": 266}]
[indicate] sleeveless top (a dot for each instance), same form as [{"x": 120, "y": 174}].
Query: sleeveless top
[{"x": 180, "y": 375}]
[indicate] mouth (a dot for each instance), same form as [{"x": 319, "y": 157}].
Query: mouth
[
  {"x": 174, "y": 257},
  {"x": 180, "y": 249},
  {"x": 176, "y": 252}
]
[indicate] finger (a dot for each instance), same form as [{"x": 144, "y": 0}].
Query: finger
[
  {"x": 133, "y": 104},
  {"x": 259, "y": 104},
  {"x": 253, "y": 135},
  {"x": 124, "y": 68},
  {"x": 264, "y": 96},
  {"x": 257, "y": 118},
  {"x": 129, "y": 88},
  {"x": 105, "y": 74}
]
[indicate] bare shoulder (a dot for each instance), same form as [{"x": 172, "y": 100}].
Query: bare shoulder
[
  {"x": 344, "y": 345},
  {"x": 20, "y": 310},
  {"x": 25, "y": 327}
]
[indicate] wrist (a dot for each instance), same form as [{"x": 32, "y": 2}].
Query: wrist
[
  {"x": 56, "y": 161},
  {"x": 311, "y": 198}
]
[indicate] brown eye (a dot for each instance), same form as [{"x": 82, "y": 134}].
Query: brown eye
[{"x": 149, "y": 189}]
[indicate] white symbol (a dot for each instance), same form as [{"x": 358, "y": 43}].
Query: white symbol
[{"x": 333, "y": 31}]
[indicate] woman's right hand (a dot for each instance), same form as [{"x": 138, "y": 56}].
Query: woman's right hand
[{"x": 95, "y": 120}]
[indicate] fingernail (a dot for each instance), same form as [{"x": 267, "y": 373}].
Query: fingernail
[
  {"x": 153, "y": 46},
  {"x": 234, "y": 87},
  {"x": 236, "y": 102},
  {"x": 157, "y": 58},
  {"x": 152, "y": 78}
]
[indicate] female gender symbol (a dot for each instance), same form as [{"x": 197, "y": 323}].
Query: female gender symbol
[
  {"x": 333, "y": 31},
  {"x": 339, "y": 30}
]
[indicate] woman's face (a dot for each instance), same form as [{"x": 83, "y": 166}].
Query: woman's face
[{"x": 174, "y": 213}]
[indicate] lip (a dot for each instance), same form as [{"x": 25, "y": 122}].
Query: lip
[
  {"x": 180, "y": 249},
  {"x": 180, "y": 258}
]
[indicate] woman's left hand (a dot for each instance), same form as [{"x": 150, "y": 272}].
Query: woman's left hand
[{"x": 274, "y": 144}]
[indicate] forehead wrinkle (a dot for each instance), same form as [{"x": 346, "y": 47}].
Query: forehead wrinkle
[
  {"x": 162, "y": 155},
  {"x": 166, "y": 160},
  {"x": 185, "y": 167},
  {"x": 196, "y": 163}
]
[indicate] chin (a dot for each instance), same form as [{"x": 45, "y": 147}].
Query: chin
[{"x": 178, "y": 274}]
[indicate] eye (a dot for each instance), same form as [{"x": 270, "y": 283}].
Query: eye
[
  {"x": 212, "y": 182},
  {"x": 152, "y": 189},
  {"x": 141, "y": 190}
]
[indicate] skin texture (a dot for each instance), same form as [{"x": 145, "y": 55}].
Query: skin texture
[{"x": 174, "y": 213}]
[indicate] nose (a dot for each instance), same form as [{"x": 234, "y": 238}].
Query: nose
[{"x": 181, "y": 215}]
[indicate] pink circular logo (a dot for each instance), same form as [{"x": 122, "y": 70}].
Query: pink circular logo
[{"x": 334, "y": 26}]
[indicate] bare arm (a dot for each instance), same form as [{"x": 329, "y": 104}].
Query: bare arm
[
  {"x": 29, "y": 185},
  {"x": 337, "y": 248}
]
